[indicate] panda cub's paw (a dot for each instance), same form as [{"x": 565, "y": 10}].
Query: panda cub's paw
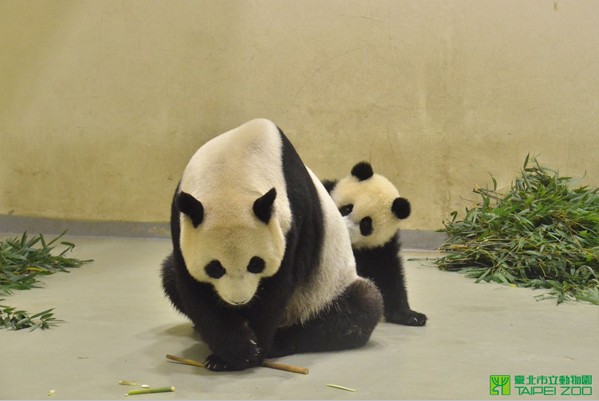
[
  {"x": 409, "y": 318},
  {"x": 240, "y": 358}
]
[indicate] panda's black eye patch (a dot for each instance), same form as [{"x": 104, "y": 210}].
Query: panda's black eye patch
[
  {"x": 345, "y": 210},
  {"x": 215, "y": 270},
  {"x": 256, "y": 265},
  {"x": 366, "y": 226}
]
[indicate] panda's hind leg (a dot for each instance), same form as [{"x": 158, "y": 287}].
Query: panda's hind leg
[{"x": 347, "y": 323}]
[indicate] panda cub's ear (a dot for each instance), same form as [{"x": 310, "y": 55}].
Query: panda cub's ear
[
  {"x": 263, "y": 206},
  {"x": 191, "y": 207},
  {"x": 362, "y": 171},
  {"x": 401, "y": 208}
]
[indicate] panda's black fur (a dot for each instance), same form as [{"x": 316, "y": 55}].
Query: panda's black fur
[
  {"x": 242, "y": 336},
  {"x": 381, "y": 263}
]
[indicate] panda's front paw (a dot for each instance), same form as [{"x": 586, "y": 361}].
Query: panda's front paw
[
  {"x": 409, "y": 318},
  {"x": 216, "y": 363},
  {"x": 238, "y": 358}
]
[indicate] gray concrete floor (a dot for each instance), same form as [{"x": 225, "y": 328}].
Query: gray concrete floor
[{"x": 120, "y": 326}]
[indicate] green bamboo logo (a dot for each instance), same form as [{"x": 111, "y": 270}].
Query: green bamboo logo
[{"x": 499, "y": 385}]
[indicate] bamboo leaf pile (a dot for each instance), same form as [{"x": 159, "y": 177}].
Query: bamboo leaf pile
[
  {"x": 13, "y": 319},
  {"x": 541, "y": 234},
  {"x": 23, "y": 261}
]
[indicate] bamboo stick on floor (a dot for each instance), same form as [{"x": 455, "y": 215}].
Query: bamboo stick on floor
[{"x": 271, "y": 365}]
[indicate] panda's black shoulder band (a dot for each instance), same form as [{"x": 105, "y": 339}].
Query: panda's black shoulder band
[{"x": 362, "y": 171}]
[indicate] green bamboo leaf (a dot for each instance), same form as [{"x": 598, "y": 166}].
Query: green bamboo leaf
[
  {"x": 22, "y": 261},
  {"x": 541, "y": 234}
]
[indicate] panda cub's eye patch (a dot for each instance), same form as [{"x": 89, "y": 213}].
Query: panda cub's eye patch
[
  {"x": 215, "y": 270},
  {"x": 256, "y": 265},
  {"x": 345, "y": 210}
]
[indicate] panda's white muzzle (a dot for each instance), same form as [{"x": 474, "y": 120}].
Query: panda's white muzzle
[{"x": 237, "y": 291}]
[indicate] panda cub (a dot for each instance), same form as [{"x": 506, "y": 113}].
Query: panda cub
[
  {"x": 372, "y": 209},
  {"x": 262, "y": 263}
]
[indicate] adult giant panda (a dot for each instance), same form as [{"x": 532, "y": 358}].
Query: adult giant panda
[{"x": 262, "y": 262}]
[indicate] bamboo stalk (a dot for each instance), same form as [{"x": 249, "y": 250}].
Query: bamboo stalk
[
  {"x": 152, "y": 390},
  {"x": 287, "y": 368},
  {"x": 128, "y": 383},
  {"x": 341, "y": 387},
  {"x": 271, "y": 365}
]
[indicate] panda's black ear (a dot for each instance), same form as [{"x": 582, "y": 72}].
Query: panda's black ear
[
  {"x": 263, "y": 206},
  {"x": 401, "y": 208},
  {"x": 362, "y": 171},
  {"x": 329, "y": 185},
  {"x": 191, "y": 207}
]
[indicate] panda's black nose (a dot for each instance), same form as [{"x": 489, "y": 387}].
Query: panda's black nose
[{"x": 366, "y": 226}]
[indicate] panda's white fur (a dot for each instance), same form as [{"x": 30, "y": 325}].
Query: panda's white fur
[
  {"x": 326, "y": 283},
  {"x": 227, "y": 174},
  {"x": 371, "y": 197}
]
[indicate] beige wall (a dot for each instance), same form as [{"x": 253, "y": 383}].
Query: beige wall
[{"x": 103, "y": 102}]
